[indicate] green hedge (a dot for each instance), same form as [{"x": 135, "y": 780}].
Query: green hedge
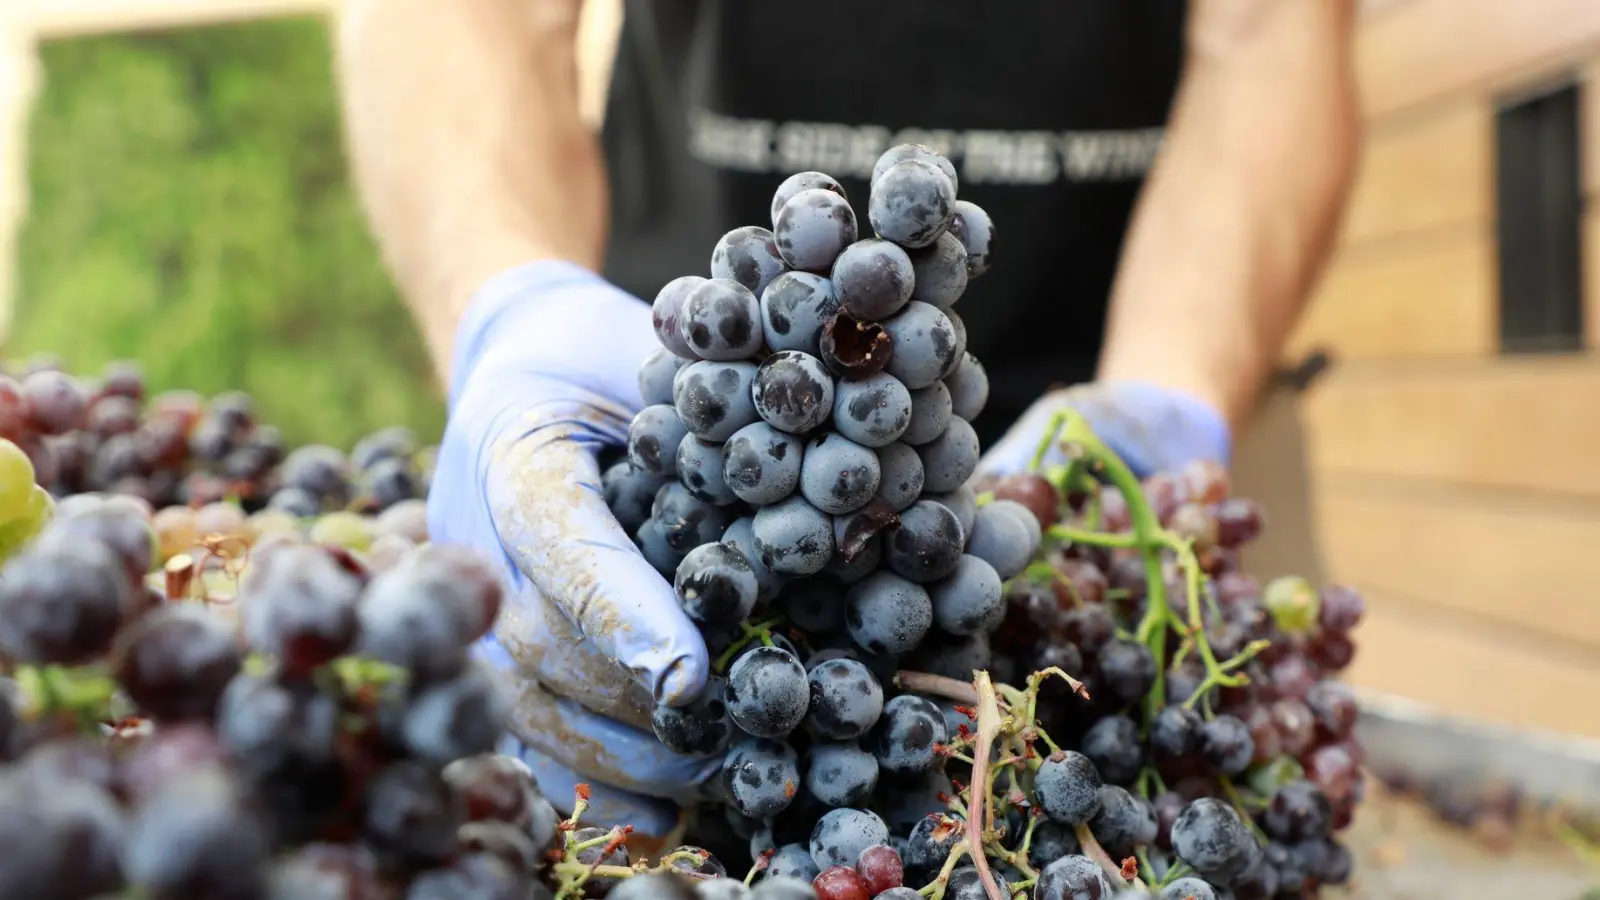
[{"x": 190, "y": 209}]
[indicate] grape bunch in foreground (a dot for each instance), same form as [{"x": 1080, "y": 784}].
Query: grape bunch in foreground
[
  {"x": 328, "y": 741},
  {"x": 1058, "y": 686},
  {"x": 176, "y": 448}
]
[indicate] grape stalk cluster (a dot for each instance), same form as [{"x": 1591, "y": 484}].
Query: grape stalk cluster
[{"x": 1155, "y": 720}]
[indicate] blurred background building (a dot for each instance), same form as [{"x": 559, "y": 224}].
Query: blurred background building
[{"x": 172, "y": 189}]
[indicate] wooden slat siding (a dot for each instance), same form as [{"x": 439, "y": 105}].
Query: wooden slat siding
[
  {"x": 1471, "y": 673},
  {"x": 1429, "y": 296},
  {"x": 1517, "y": 563},
  {"x": 1526, "y": 423},
  {"x": 1429, "y": 172},
  {"x": 1591, "y": 272},
  {"x": 1411, "y": 54}
]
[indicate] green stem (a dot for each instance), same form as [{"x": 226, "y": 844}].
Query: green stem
[
  {"x": 748, "y": 633},
  {"x": 1093, "y": 538}
]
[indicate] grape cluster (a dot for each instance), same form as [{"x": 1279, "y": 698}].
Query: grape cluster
[
  {"x": 331, "y": 740},
  {"x": 176, "y": 448},
  {"x": 801, "y": 472}
]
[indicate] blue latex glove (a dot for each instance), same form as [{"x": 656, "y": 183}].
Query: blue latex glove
[
  {"x": 1153, "y": 429},
  {"x": 546, "y": 374}
]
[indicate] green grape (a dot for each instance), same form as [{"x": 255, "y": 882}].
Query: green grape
[
  {"x": 1293, "y": 603},
  {"x": 16, "y": 479},
  {"x": 344, "y": 529}
]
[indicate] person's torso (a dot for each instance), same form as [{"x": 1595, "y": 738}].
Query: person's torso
[{"x": 1051, "y": 111}]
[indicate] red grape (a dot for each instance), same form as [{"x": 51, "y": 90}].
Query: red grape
[
  {"x": 1079, "y": 582},
  {"x": 1239, "y": 521},
  {"x": 1333, "y": 769},
  {"x": 1114, "y": 515},
  {"x": 1164, "y": 494},
  {"x": 840, "y": 883},
  {"x": 880, "y": 869},
  {"x": 1034, "y": 492},
  {"x": 57, "y": 403},
  {"x": 1342, "y": 608},
  {"x": 1334, "y": 706},
  {"x": 1205, "y": 481},
  {"x": 1292, "y": 676},
  {"x": 13, "y": 409},
  {"x": 1296, "y": 726},
  {"x": 1191, "y": 522},
  {"x": 1333, "y": 650},
  {"x": 1263, "y": 733}
]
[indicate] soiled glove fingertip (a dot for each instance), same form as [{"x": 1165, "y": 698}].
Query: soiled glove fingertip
[{"x": 683, "y": 680}]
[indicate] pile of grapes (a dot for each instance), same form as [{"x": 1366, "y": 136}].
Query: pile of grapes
[
  {"x": 101, "y": 435},
  {"x": 1155, "y": 719}
]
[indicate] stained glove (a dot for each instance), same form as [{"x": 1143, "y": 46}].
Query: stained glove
[
  {"x": 546, "y": 374},
  {"x": 1153, "y": 429}
]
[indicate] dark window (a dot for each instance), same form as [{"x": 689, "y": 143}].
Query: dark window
[{"x": 1539, "y": 196}]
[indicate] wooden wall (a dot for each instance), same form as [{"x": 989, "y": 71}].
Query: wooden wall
[{"x": 1459, "y": 488}]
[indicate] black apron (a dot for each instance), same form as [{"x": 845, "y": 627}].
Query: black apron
[{"x": 1051, "y": 111}]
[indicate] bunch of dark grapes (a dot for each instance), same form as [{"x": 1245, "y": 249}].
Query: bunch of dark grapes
[
  {"x": 176, "y": 448},
  {"x": 333, "y": 739},
  {"x": 800, "y": 472}
]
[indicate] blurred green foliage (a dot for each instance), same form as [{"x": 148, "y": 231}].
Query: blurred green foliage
[{"x": 190, "y": 209}]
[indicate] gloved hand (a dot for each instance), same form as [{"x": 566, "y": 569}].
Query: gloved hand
[
  {"x": 1153, "y": 429},
  {"x": 546, "y": 373}
]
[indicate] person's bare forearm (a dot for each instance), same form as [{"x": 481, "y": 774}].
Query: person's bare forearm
[
  {"x": 1244, "y": 202},
  {"x": 466, "y": 143}
]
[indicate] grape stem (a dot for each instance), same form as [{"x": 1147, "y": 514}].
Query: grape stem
[
  {"x": 935, "y": 890},
  {"x": 1093, "y": 850},
  {"x": 759, "y": 631},
  {"x": 938, "y": 686},
  {"x": 982, "y": 813}
]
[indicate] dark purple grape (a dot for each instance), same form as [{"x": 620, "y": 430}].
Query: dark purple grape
[
  {"x": 929, "y": 845},
  {"x": 761, "y": 776},
  {"x": 1175, "y": 733},
  {"x": 814, "y": 605},
  {"x": 296, "y": 502},
  {"x": 1113, "y": 744},
  {"x": 840, "y": 775},
  {"x": 873, "y": 280},
  {"x": 299, "y": 605},
  {"x": 715, "y": 585},
  {"x": 1189, "y": 888},
  {"x": 912, "y": 203},
  {"x": 461, "y": 717},
  {"x": 793, "y": 392},
  {"x": 838, "y": 476},
  {"x": 812, "y": 228},
  {"x": 62, "y": 603},
  {"x": 1125, "y": 823},
  {"x": 841, "y": 835},
  {"x": 1001, "y": 538},
  {"x": 793, "y": 537},
  {"x": 320, "y": 471},
  {"x": 721, "y": 320},
  {"x": 969, "y": 600},
  {"x": 197, "y": 837},
  {"x": 1225, "y": 744},
  {"x": 1297, "y": 811},
  {"x": 887, "y": 614},
  {"x": 713, "y": 399},
  {"x": 972, "y": 226},
  {"x": 845, "y": 700},
  {"x": 794, "y": 309},
  {"x": 687, "y": 521},
  {"x": 1072, "y": 878},
  {"x": 1127, "y": 670},
  {"x": 873, "y": 411},
  {"x": 747, "y": 255},
  {"x": 791, "y": 861},
  {"x": 969, "y": 387},
  {"x": 666, "y": 315},
  {"x": 630, "y": 492},
  {"x": 926, "y": 344},
  {"x": 389, "y": 482},
  {"x": 1341, "y": 608},
  {"x": 802, "y": 181},
  {"x": 940, "y": 270},
  {"x": 56, "y": 402},
  {"x": 741, "y": 536},
  {"x": 950, "y": 459},
  {"x": 1068, "y": 788},
  {"x": 761, "y": 464},
  {"x": 1211, "y": 838},
  {"x": 961, "y": 501},
  {"x": 702, "y": 728},
  {"x": 909, "y": 735},
  {"x": 926, "y": 545},
  {"x": 398, "y": 442},
  {"x": 901, "y": 479},
  {"x": 931, "y": 410},
  {"x": 768, "y": 692},
  {"x": 1333, "y": 704},
  {"x": 175, "y": 662},
  {"x": 656, "y": 375},
  {"x": 411, "y": 815},
  {"x": 119, "y": 527}
]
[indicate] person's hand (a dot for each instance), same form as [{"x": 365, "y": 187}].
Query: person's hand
[
  {"x": 1153, "y": 429},
  {"x": 545, "y": 375}
]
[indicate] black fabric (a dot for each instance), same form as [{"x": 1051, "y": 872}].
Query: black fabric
[{"x": 1051, "y": 111}]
